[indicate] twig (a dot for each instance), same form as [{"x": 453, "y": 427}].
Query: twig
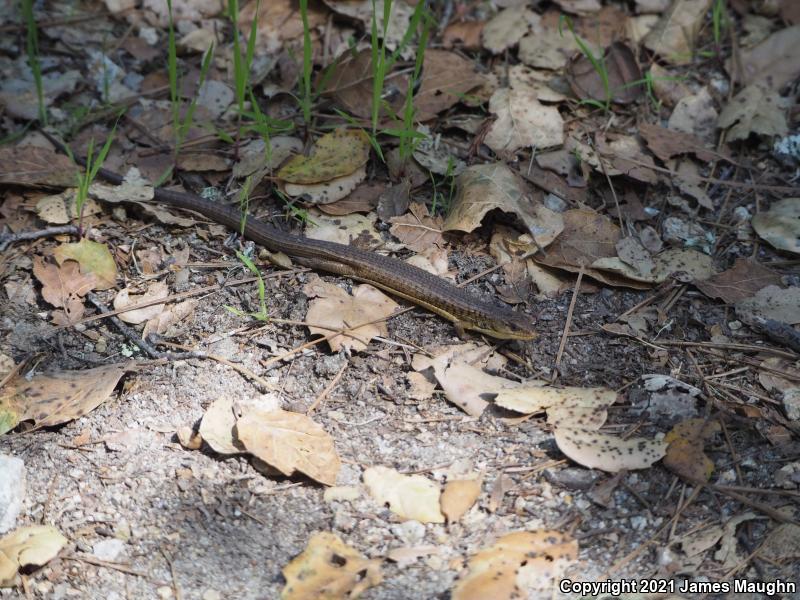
[
  {"x": 108, "y": 565},
  {"x": 743, "y": 347},
  {"x": 8, "y": 238},
  {"x": 328, "y": 389},
  {"x": 568, "y": 324}
]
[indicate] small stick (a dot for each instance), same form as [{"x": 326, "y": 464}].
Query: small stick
[
  {"x": 568, "y": 324},
  {"x": 328, "y": 389}
]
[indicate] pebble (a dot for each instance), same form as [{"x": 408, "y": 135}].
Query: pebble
[
  {"x": 12, "y": 490},
  {"x": 108, "y": 550}
]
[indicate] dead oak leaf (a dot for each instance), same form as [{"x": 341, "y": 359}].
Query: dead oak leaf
[
  {"x": 482, "y": 188},
  {"x": 93, "y": 257},
  {"x": 64, "y": 287},
  {"x": 607, "y": 452},
  {"x": 362, "y": 315},
  {"x": 741, "y": 281},
  {"x": 417, "y": 229},
  {"x": 289, "y": 442},
  {"x": 124, "y": 299},
  {"x": 329, "y": 569},
  {"x": 408, "y": 496},
  {"x": 666, "y": 143},
  {"x": 60, "y": 396},
  {"x": 33, "y": 545},
  {"x": 33, "y": 166},
  {"x": 335, "y": 154},
  {"x": 446, "y": 78},
  {"x": 517, "y": 564},
  {"x": 522, "y": 121}
]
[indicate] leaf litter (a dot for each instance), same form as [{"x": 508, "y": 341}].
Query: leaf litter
[{"x": 641, "y": 195}]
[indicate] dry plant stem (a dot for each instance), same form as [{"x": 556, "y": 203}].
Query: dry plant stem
[
  {"x": 613, "y": 195},
  {"x": 7, "y": 238},
  {"x": 266, "y": 385},
  {"x": 731, "y": 449},
  {"x": 631, "y": 556},
  {"x": 762, "y": 508},
  {"x": 568, "y": 324},
  {"x": 110, "y": 565},
  {"x": 778, "y": 189},
  {"x": 744, "y": 347},
  {"x": 752, "y": 490},
  {"x": 328, "y": 389}
]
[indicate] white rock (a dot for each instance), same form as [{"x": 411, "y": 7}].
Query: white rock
[
  {"x": 108, "y": 550},
  {"x": 12, "y": 490}
]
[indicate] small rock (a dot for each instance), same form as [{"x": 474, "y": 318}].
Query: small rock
[
  {"x": 788, "y": 476},
  {"x": 410, "y": 532},
  {"x": 638, "y": 523},
  {"x": 555, "y": 203},
  {"x": 791, "y": 403},
  {"x": 108, "y": 550},
  {"x": 12, "y": 490},
  {"x": 212, "y": 595},
  {"x": 164, "y": 592},
  {"x": 341, "y": 492},
  {"x": 571, "y": 478}
]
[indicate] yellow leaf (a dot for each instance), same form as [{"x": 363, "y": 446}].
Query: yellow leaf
[
  {"x": 408, "y": 496},
  {"x": 290, "y": 442},
  {"x": 329, "y": 569},
  {"x": 93, "y": 257},
  {"x": 33, "y": 545},
  {"x": 516, "y": 564},
  {"x": 336, "y": 154},
  {"x": 458, "y": 497}
]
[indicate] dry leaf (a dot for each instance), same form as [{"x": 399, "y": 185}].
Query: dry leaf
[
  {"x": 685, "y": 456},
  {"x": 350, "y": 83},
  {"x": 587, "y": 237},
  {"x": 155, "y": 291},
  {"x": 57, "y": 397},
  {"x": 33, "y": 166},
  {"x": 772, "y": 302},
  {"x": 666, "y": 143},
  {"x": 458, "y": 497},
  {"x": 754, "y": 110},
  {"x": 335, "y": 154},
  {"x": 468, "y": 386},
  {"x": 289, "y": 442},
  {"x": 218, "y": 428},
  {"x": 328, "y": 569},
  {"x": 741, "y": 281},
  {"x": 547, "y": 48},
  {"x": 773, "y": 63},
  {"x": 417, "y": 230},
  {"x": 64, "y": 287},
  {"x": 695, "y": 114},
  {"x": 522, "y": 122},
  {"x": 93, "y": 257},
  {"x": 623, "y": 79},
  {"x": 506, "y": 28},
  {"x": 278, "y": 23},
  {"x": 481, "y": 188},
  {"x": 408, "y": 496},
  {"x": 327, "y": 191},
  {"x": 686, "y": 265},
  {"x": 674, "y": 36},
  {"x": 162, "y": 324},
  {"x": 516, "y": 565},
  {"x": 465, "y": 34},
  {"x": 363, "y": 315},
  {"x": 575, "y": 407},
  {"x": 446, "y": 78},
  {"x": 780, "y": 225},
  {"x": 350, "y": 230},
  {"x": 607, "y": 452},
  {"x": 34, "y": 545}
]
